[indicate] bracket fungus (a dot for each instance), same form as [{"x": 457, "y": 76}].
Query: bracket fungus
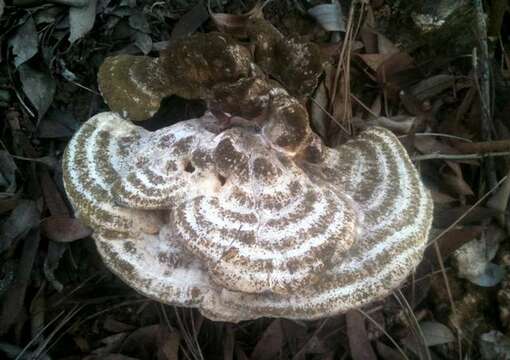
[
  {"x": 248, "y": 218},
  {"x": 204, "y": 64}
]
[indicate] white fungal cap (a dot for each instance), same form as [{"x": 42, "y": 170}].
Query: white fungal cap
[{"x": 245, "y": 230}]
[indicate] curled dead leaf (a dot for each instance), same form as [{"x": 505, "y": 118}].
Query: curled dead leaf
[{"x": 64, "y": 229}]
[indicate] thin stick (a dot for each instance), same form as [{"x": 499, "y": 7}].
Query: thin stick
[
  {"x": 383, "y": 330},
  {"x": 436, "y": 156},
  {"x": 475, "y": 205}
]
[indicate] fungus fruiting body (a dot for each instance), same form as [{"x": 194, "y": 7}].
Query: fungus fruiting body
[
  {"x": 249, "y": 217},
  {"x": 229, "y": 222}
]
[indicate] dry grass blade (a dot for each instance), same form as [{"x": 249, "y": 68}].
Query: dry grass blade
[
  {"x": 459, "y": 157},
  {"x": 342, "y": 75},
  {"x": 475, "y": 205},
  {"x": 414, "y": 324},
  {"x": 383, "y": 330},
  {"x": 189, "y": 338},
  {"x": 44, "y": 347}
]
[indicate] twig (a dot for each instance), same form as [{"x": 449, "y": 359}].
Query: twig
[
  {"x": 482, "y": 71},
  {"x": 466, "y": 213},
  {"x": 484, "y": 147},
  {"x": 438, "y": 156}
]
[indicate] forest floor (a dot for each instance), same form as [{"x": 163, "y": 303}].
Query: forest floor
[{"x": 436, "y": 73}]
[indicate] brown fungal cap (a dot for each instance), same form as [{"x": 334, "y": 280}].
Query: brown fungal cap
[
  {"x": 133, "y": 86},
  {"x": 230, "y": 222},
  {"x": 212, "y": 67}
]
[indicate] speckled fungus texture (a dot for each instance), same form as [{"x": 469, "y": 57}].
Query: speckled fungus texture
[
  {"x": 249, "y": 220},
  {"x": 212, "y": 67}
]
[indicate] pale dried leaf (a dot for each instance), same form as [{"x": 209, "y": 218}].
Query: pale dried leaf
[
  {"x": 24, "y": 43},
  {"x": 138, "y": 22},
  {"x": 435, "y": 333},
  {"x": 494, "y": 345},
  {"x": 329, "y": 16},
  {"x": 81, "y": 20},
  {"x": 38, "y": 86},
  {"x": 143, "y": 41}
]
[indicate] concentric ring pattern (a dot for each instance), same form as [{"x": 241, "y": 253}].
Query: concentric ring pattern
[{"x": 220, "y": 218}]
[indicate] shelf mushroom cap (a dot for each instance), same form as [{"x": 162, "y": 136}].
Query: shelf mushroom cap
[
  {"x": 241, "y": 225},
  {"x": 213, "y": 67}
]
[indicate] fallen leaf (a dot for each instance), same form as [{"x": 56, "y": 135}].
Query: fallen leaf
[
  {"x": 25, "y": 42},
  {"x": 229, "y": 342},
  {"x": 24, "y": 217},
  {"x": 435, "y": 333},
  {"x": 7, "y": 173},
  {"x": 12, "y": 305},
  {"x": 455, "y": 238},
  {"x": 57, "y": 124},
  {"x": 445, "y": 217},
  {"x": 81, "y": 20},
  {"x": 236, "y": 24},
  {"x": 190, "y": 22},
  {"x": 64, "y": 229},
  {"x": 38, "y": 86},
  {"x": 388, "y": 353},
  {"x": 168, "y": 348},
  {"x": 51, "y": 261},
  {"x": 52, "y": 197},
  {"x": 329, "y": 16},
  {"x": 432, "y": 86},
  {"x": 115, "y": 326},
  {"x": 359, "y": 344},
  {"x": 494, "y": 345},
  {"x": 431, "y": 333},
  {"x": 454, "y": 180},
  {"x": 271, "y": 342},
  {"x": 143, "y": 41}
]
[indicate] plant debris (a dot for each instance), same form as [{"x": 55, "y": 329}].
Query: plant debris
[{"x": 433, "y": 72}]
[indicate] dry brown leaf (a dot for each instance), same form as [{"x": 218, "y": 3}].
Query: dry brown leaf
[
  {"x": 455, "y": 238},
  {"x": 359, "y": 343},
  {"x": 190, "y": 22},
  {"x": 271, "y": 342},
  {"x": 441, "y": 198},
  {"x": 52, "y": 197},
  {"x": 229, "y": 342},
  {"x": 64, "y": 229},
  {"x": 168, "y": 348},
  {"x": 373, "y": 61},
  {"x": 432, "y": 86},
  {"x": 387, "y": 353},
  {"x": 394, "y": 64},
  {"x": 12, "y": 304},
  {"x": 367, "y": 34},
  {"x": 235, "y": 25},
  {"x": 453, "y": 178},
  {"x": 432, "y": 145},
  {"x": 445, "y": 217}
]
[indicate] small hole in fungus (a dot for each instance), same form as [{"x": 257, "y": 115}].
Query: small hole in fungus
[
  {"x": 189, "y": 167},
  {"x": 222, "y": 179}
]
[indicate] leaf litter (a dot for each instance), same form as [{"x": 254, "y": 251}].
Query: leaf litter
[{"x": 382, "y": 66}]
